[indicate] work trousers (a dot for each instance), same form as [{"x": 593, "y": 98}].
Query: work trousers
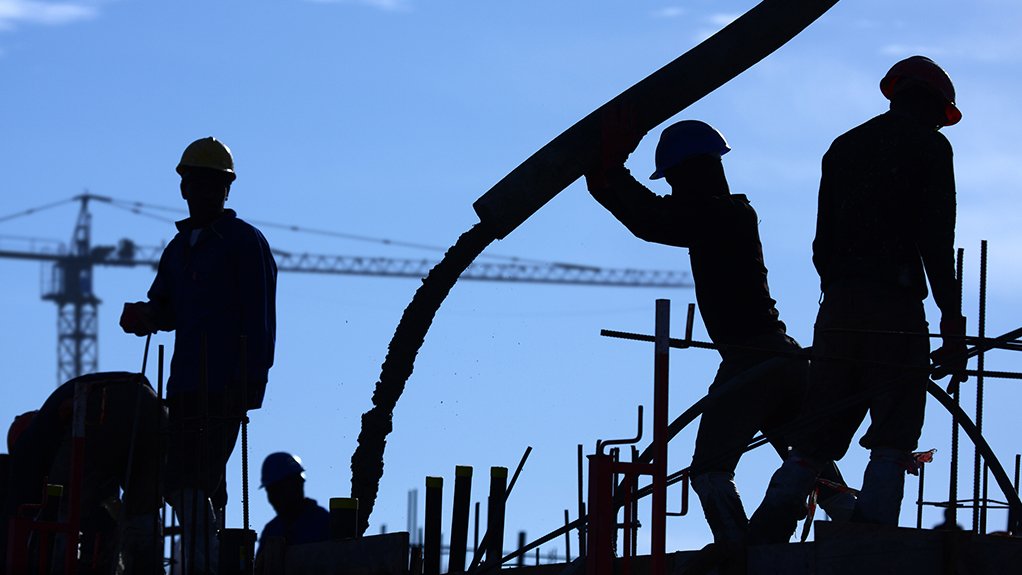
[
  {"x": 203, "y": 432},
  {"x": 870, "y": 355},
  {"x": 742, "y": 408}
]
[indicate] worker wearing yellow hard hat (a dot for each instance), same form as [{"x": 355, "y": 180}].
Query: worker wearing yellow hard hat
[{"x": 215, "y": 288}]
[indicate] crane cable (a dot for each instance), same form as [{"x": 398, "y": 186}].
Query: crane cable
[
  {"x": 34, "y": 210},
  {"x": 138, "y": 207}
]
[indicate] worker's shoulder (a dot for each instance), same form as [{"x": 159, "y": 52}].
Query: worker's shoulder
[
  {"x": 738, "y": 203},
  {"x": 240, "y": 229},
  {"x": 889, "y": 131}
]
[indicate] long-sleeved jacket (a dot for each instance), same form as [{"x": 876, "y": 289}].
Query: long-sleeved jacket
[
  {"x": 887, "y": 210},
  {"x": 223, "y": 287},
  {"x": 722, "y": 236}
]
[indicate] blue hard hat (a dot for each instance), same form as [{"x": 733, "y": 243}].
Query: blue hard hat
[
  {"x": 280, "y": 465},
  {"x": 684, "y": 140}
]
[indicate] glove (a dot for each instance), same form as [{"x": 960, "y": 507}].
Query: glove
[
  {"x": 137, "y": 319},
  {"x": 618, "y": 139},
  {"x": 950, "y": 357}
]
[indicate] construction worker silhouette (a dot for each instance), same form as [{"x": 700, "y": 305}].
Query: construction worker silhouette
[
  {"x": 299, "y": 519},
  {"x": 760, "y": 382},
  {"x": 215, "y": 288},
  {"x": 886, "y": 215},
  {"x": 124, "y": 425}
]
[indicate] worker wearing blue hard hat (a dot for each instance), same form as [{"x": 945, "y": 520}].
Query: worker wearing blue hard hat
[
  {"x": 299, "y": 519},
  {"x": 761, "y": 379}
]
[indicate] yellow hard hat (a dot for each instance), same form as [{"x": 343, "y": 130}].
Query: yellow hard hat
[{"x": 208, "y": 153}]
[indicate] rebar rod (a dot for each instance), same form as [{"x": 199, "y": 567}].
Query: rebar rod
[
  {"x": 953, "y": 464},
  {"x": 977, "y": 461}
]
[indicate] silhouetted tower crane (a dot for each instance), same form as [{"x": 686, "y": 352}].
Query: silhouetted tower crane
[{"x": 69, "y": 281}]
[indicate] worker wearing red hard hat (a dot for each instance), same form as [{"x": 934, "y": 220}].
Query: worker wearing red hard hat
[
  {"x": 759, "y": 385},
  {"x": 885, "y": 225},
  {"x": 125, "y": 425},
  {"x": 215, "y": 288}
]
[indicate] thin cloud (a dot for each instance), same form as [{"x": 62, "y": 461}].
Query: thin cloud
[
  {"x": 384, "y": 5},
  {"x": 715, "y": 22},
  {"x": 15, "y": 12},
  {"x": 722, "y": 18},
  {"x": 670, "y": 12}
]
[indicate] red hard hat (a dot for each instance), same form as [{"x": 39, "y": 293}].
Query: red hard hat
[
  {"x": 925, "y": 71},
  {"x": 19, "y": 425}
]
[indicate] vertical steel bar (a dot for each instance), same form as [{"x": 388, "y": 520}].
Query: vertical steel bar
[
  {"x": 79, "y": 409},
  {"x": 413, "y": 516},
  {"x": 581, "y": 505},
  {"x": 244, "y": 430},
  {"x": 658, "y": 530},
  {"x": 459, "y": 518},
  {"x": 1012, "y": 521},
  {"x": 626, "y": 527},
  {"x": 633, "y": 493},
  {"x": 979, "y": 385},
  {"x": 953, "y": 472},
  {"x": 919, "y": 500},
  {"x": 520, "y": 562},
  {"x": 475, "y": 545},
  {"x": 495, "y": 516},
  {"x": 163, "y": 507},
  {"x": 986, "y": 485},
  {"x": 600, "y": 554},
  {"x": 567, "y": 536},
  {"x": 434, "y": 506}
]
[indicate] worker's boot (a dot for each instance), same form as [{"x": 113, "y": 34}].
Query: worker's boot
[
  {"x": 837, "y": 500},
  {"x": 883, "y": 486},
  {"x": 142, "y": 545},
  {"x": 199, "y": 541},
  {"x": 784, "y": 503},
  {"x": 722, "y": 506}
]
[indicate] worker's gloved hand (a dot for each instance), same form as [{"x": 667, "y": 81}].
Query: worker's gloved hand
[
  {"x": 136, "y": 318},
  {"x": 951, "y": 357},
  {"x": 619, "y": 137}
]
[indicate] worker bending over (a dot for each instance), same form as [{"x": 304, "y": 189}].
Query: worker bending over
[
  {"x": 124, "y": 425},
  {"x": 886, "y": 223},
  {"x": 721, "y": 232}
]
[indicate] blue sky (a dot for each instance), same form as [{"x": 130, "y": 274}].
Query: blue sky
[{"x": 387, "y": 119}]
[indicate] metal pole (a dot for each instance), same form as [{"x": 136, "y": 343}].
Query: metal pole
[
  {"x": 979, "y": 385},
  {"x": 520, "y": 562},
  {"x": 495, "y": 516},
  {"x": 953, "y": 472},
  {"x": 919, "y": 500},
  {"x": 983, "y": 515},
  {"x": 79, "y": 408},
  {"x": 434, "y": 504},
  {"x": 600, "y": 554},
  {"x": 244, "y": 431},
  {"x": 1012, "y": 520},
  {"x": 567, "y": 538},
  {"x": 459, "y": 518},
  {"x": 475, "y": 544},
  {"x": 658, "y": 531},
  {"x": 581, "y": 505},
  {"x": 413, "y": 512}
]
